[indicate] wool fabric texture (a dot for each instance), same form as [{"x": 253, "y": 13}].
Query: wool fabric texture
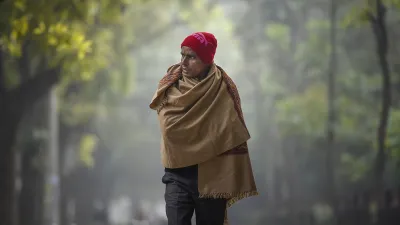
[{"x": 202, "y": 124}]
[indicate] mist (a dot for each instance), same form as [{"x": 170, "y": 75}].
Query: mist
[{"x": 319, "y": 83}]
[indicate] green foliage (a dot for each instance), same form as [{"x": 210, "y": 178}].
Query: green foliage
[
  {"x": 393, "y": 140},
  {"x": 360, "y": 15},
  {"x": 87, "y": 146},
  {"x": 91, "y": 40},
  {"x": 70, "y": 34},
  {"x": 304, "y": 113},
  {"x": 392, "y": 3},
  {"x": 115, "y": 48},
  {"x": 354, "y": 168},
  {"x": 316, "y": 49},
  {"x": 297, "y": 77},
  {"x": 278, "y": 33},
  {"x": 191, "y": 12}
]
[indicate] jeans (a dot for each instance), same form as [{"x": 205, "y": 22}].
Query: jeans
[{"x": 182, "y": 200}]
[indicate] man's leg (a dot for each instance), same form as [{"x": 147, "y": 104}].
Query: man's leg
[
  {"x": 210, "y": 211},
  {"x": 179, "y": 205}
]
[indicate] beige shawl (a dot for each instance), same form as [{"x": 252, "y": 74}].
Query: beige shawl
[{"x": 202, "y": 123}]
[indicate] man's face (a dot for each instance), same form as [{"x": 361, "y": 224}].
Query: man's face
[{"x": 192, "y": 66}]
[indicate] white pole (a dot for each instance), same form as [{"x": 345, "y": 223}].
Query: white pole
[{"x": 53, "y": 171}]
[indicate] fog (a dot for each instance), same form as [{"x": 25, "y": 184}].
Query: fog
[{"x": 314, "y": 79}]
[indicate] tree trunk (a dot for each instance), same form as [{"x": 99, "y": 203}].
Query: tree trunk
[
  {"x": 84, "y": 195},
  {"x": 13, "y": 104},
  {"x": 378, "y": 24},
  {"x": 7, "y": 170},
  {"x": 66, "y": 136},
  {"x": 331, "y": 121},
  {"x": 2, "y": 77},
  {"x": 31, "y": 195},
  {"x": 63, "y": 185}
]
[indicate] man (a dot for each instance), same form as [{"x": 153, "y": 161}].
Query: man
[{"x": 204, "y": 137}]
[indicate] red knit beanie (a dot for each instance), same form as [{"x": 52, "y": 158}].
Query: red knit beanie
[{"x": 204, "y": 44}]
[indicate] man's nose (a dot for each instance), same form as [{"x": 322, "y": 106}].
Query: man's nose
[{"x": 184, "y": 60}]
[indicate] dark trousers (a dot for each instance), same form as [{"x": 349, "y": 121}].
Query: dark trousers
[{"x": 182, "y": 200}]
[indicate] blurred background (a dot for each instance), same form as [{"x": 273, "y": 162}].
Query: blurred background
[{"x": 319, "y": 82}]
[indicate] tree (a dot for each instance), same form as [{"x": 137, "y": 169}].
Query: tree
[
  {"x": 331, "y": 120},
  {"x": 290, "y": 60},
  {"x": 36, "y": 53},
  {"x": 377, "y": 20},
  {"x": 375, "y": 13}
]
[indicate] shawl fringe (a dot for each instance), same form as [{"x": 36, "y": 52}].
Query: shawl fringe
[{"x": 231, "y": 197}]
